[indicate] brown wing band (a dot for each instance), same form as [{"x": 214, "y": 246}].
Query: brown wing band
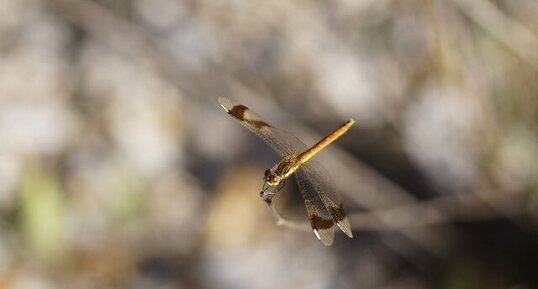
[
  {"x": 319, "y": 223},
  {"x": 238, "y": 112}
]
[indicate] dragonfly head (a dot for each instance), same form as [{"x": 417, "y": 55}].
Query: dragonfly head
[
  {"x": 271, "y": 178},
  {"x": 269, "y": 189}
]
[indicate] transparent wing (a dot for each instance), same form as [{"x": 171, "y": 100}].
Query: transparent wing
[
  {"x": 320, "y": 219},
  {"x": 281, "y": 141},
  {"x": 321, "y": 184}
]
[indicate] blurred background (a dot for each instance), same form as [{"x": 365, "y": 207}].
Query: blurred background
[{"x": 118, "y": 168}]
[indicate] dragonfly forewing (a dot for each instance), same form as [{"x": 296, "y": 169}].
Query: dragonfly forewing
[{"x": 281, "y": 141}]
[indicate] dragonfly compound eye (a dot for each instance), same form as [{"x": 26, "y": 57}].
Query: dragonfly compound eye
[
  {"x": 267, "y": 175},
  {"x": 270, "y": 178}
]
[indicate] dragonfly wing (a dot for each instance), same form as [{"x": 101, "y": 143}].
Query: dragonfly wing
[
  {"x": 321, "y": 220},
  {"x": 281, "y": 141},
  {"x": 318, "y": 176}
]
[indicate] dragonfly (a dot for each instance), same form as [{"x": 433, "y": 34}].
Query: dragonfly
[{"x": 323, "y": 205}]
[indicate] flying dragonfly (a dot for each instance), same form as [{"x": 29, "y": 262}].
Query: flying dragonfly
[{"x": 323, "y": 205}]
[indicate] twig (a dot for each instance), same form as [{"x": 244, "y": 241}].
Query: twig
[{"x": 443, "y": 210}]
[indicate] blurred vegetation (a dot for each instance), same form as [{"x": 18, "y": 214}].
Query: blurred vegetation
[{"x": 118, "y": 169}]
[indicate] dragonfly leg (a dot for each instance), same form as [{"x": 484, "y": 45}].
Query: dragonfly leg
[
  {"x": 280, "y": 186},
  {"x": 267, "y": 195}
]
